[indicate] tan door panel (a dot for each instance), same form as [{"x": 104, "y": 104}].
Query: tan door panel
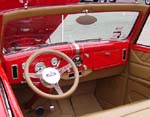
[{"x": 139, "y": 76}]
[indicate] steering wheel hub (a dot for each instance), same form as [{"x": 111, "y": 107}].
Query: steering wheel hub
[{"x": 50, "y": 75}]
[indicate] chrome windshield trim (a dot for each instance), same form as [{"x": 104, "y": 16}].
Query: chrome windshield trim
[
  {"x": 5, "y": 99},
  {"x": 77, "y": 48}
]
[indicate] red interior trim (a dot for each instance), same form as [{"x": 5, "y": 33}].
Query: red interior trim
[{"x": 141, "y": 48}]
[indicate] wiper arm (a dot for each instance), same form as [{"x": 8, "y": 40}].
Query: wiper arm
[
  {"x": 87, "y": 40},
  {"x": 25, "y": 48},
  {"x": 53, "y": 44}
]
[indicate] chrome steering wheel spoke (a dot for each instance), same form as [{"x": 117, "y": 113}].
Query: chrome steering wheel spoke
[
  {"x": 35, "y": 75},
  {"x": 64, "y": 68},
  {"x": 57, "y": 88}
]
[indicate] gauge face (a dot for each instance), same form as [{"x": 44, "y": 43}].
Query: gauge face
[
  {"x": 39, "y": 67},
  {"x": 54, "y": 61},
  {"x": 77, "y": 60}
]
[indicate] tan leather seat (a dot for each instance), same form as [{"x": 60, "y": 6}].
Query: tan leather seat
[{"x": 138, "y": 109}]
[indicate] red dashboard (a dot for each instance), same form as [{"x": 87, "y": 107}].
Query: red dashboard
[{"x": 92, "y": 56}]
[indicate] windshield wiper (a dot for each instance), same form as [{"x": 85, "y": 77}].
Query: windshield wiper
[
  {"x": 53, "y": 44},
  {"x": 88, "y": 40}
]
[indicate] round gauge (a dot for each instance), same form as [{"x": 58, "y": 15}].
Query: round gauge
[
  {"x": 54, "y": 61},
  {"x": 39, "y": 67},
  {"x": 77, "y": 60}
]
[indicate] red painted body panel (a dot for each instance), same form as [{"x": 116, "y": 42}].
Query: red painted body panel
[
  {"x": 10, "y": 4},
  {"x": 11, "y": 97},
  {"x": 34, "y": 29}
]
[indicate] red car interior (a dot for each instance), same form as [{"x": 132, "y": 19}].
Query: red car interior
[{"x": 99, "y": 61}]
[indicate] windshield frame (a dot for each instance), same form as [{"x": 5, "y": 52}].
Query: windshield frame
[{"x": 43, "y": 11}]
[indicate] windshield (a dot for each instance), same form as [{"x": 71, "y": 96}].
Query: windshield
[
  {"x": 30, "y": 33},
  {"x": 105, "y": 27}
]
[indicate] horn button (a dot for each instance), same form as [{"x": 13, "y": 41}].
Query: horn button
[{"x": 50, "y": 75}]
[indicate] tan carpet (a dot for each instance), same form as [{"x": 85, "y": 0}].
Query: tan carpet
[{"x": 82, "y": 102}]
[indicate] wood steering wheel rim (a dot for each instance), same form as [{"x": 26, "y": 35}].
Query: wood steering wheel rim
[{"x": 41, "y": 93}]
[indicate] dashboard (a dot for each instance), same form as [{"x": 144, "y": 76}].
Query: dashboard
[{"x": 88, "y": 57}]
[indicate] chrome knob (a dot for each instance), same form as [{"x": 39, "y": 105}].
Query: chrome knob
[{"x": 86, "y": 55}]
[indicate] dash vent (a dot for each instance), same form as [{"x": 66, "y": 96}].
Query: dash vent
[
  {"x": 124, "y": 54},
  {"x": 14, "y": 71}
]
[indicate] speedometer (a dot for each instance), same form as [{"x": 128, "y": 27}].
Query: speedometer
[
  {"x": 39, "y": 67},
  {"x": 54, "y": 61}
]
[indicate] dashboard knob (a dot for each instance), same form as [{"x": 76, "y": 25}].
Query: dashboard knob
[
  {"x": 84, "y": 67},
  {"x": 86, "y": 55}
]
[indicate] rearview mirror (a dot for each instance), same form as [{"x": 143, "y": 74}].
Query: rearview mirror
[
  {"x": 147, "y": 2},
  {"x": 86, "y": 20}
]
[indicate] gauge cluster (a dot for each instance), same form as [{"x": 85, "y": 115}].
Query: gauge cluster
[
  {"x": 57, "y": 63},
  {"x": 39, "y": 67}
]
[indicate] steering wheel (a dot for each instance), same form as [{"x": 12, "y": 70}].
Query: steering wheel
[{"x": 51, "y": 76}]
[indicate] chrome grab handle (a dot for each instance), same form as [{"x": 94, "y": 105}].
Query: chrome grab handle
[{"x": 107, "y": 53}]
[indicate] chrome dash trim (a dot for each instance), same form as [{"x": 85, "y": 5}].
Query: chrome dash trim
[{"x": 77, "y": 48}]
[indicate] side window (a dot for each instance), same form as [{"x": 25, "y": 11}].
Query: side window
[{"x": 144, "y": 38}]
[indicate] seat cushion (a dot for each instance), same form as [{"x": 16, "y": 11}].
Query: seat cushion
[{"x": 138, "y": 109}]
